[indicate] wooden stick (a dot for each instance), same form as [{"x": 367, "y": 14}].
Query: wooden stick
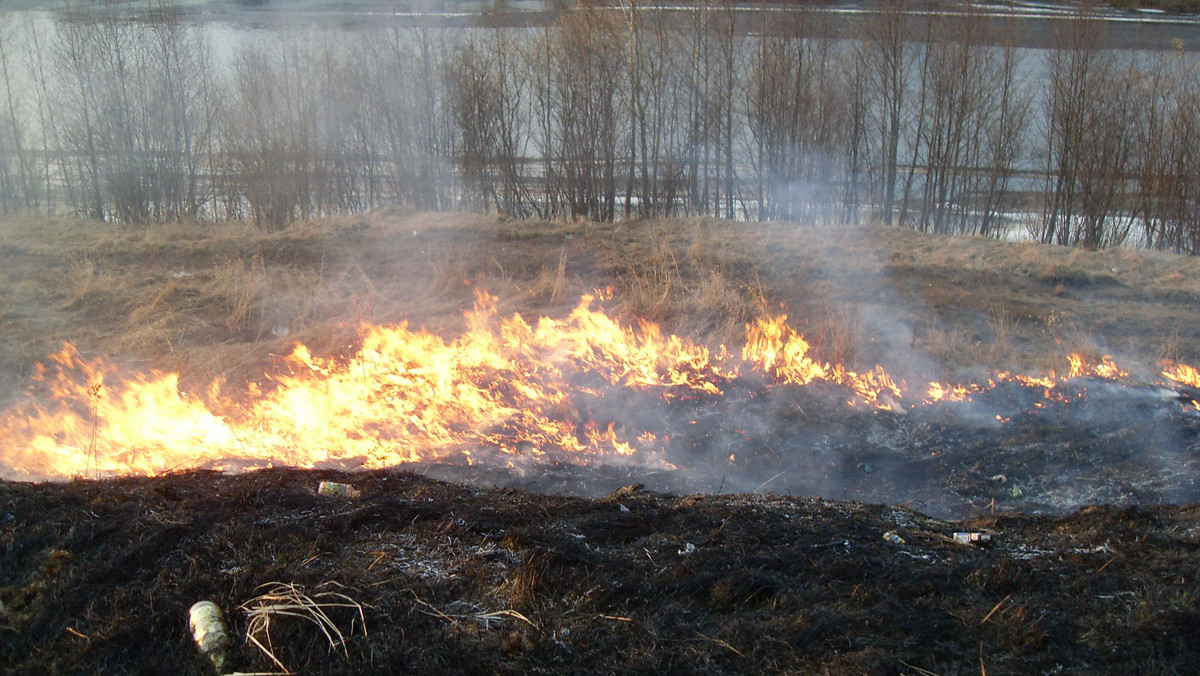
[
  {"x": 994, "y": 609},
  {"x": 723, "y": 644}
]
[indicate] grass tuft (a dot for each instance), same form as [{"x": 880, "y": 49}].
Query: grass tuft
[{"x": 280, "y": 600}]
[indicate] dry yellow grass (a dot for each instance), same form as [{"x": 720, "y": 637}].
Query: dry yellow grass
[{"x": 221, "y": 300}]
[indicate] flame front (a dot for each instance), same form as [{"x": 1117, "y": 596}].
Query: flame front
[
  {"x": 777, "y": 350},
  {"x": 556, "y": 390},
  {"x": 1182, "y": 374},
  {"x": 505, "y": 387}
]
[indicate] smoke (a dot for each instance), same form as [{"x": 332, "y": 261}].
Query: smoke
[{"x": 318, "y": 120}]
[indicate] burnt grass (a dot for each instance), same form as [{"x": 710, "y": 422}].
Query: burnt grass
[
  {"x": 98, "y": 577},
  {"x": 571, "y": 568}
]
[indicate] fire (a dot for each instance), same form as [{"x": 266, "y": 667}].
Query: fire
[
  {"x": 410, "y": 396},
  {"x": 1182, "y": 374},
  {"x": 92, "y": 418},
  {"x": 776, "y": 349},
  {"x": 505, "y": 385},
  {"x": 949, "y": 392},
  {"x": 556, "y": 390}
]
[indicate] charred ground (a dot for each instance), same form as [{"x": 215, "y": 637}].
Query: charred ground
[{"x": 98, "y": 576}]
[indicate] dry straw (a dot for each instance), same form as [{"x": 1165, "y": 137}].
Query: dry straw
[{"x": 282, "y": 599}]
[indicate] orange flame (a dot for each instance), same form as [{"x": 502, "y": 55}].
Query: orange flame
[
  {"x": 949, "y": 392},
  {"x": 94, "y": 419},
  {"x": 506, "y": 389},
  {"x": 405, "y": 396},
  {"x": 776, "y": 349},
  {"x": 1182, "y": 374}
]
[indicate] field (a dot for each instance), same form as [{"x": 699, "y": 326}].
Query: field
[
  {"x": 217, "y": 300},
  {"x": 821, "y": 544}
]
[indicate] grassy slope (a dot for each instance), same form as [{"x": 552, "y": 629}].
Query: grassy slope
[
  {"x": 211, "y": 301},
  {"x": 98, "y": 576}
]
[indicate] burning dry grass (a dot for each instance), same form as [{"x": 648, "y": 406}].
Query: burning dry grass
[
  {"x": 455, "y": 578},
  {"x": 867, "y": 308},
  {"x": 960, "y": 302},
  {"x": 695, "y": 277}
]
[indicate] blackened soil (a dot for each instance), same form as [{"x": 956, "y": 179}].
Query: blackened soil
[
  {"x": 98, "y": 577},
  {"x": 1010, "y": 448}
]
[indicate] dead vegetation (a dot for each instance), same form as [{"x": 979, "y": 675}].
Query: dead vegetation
[
  {"x": 218, "y": 300},
  {"x": 278, "y": 601},
  {"x": 453, "y": 579}
]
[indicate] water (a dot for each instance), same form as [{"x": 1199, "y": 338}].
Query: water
[{"x": 233, "y": 28}]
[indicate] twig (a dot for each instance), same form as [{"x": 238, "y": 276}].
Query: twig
[
  {"x": 723, "y": 644},
  {"x": 617, "y": 618},
  {"x": 760, "y": 486},
  {"x": 377, "y": 560},
  {"x": 436, "y": 612},
  {"x": 505, "y": 613},
  {"x": 1101, "y": 568},
  {"x": 267, "y": 651},
  {"x": 383, "y": 582},
  {"x": 919, "y": 670},
  {"x": 994, "y": 609},
  {"x": 721, "y": 527},
  {"x": 483, "y": 616},
  {"x": 95, "y": 392}
]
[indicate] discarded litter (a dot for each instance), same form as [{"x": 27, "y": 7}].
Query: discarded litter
[
  {"x": 972, "y": 538},
  {"x": 337, "y": 490},
  {"x": 688, "y": 550},
  {"x": 208, "y": 630},
  {"x": 893, "y": 537}
]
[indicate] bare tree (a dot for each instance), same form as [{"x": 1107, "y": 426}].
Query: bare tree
[
  {"x": 887, "y": 65},
  {"x": 799, "y": 119},
  {"x": 77, "y": 60},
  {"x": 475, "y": 94},
  {"x": 47, "y": 116},
  {"x": 402, "y": 74},
  {"x": 19, "y": 183},
  {"x": 586, "y": 106},
  {"x": 486, "y": 86},
  {"x": 138, "y": 117},
  {"x": 1089, "y": 108},
  {"x": 665, "y": 142},
  {"x": 969, "y": 125},
  {"x": 1004, "y": 132},
  {"x": 183, "y": 99},
  {"x": 606, "y": 113},
  {"x": 266, "y": 148},
  {"x": 1168, "y": 178}
]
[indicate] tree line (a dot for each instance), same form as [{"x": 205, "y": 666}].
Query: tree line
[{"x": 935, "y": 121}]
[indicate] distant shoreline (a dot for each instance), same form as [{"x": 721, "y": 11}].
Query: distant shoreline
[{"x": 1144, "y": 29}]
